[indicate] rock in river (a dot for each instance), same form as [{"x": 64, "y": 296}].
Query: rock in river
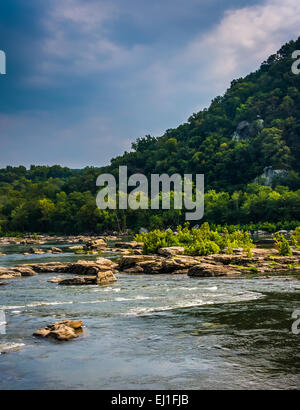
[
  {"x": 65, "y": 330},
  {"x": 208, "y": 270},
  {"x": 56, "y": 250},
  {"x": 95, "y": 244},
  {"x": 171, "y": 251},
  {"x": 78, "y": 281}
]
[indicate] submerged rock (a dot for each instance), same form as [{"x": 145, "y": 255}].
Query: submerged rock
[{"x": 64, "y": 330}]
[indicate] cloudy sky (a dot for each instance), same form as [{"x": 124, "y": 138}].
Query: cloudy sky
[{"x": 87, "y": 77}]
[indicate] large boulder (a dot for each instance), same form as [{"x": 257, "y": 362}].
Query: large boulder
[
  {"x": 16, "y": 272},
  {"x": 171, "y": 251},
  {"x": 80, "y": 267},
  {"x": 105, "y": 277},
  {"x": 56, "y": 250},
  {"x": 64, "y": 330},
  {"x": 76, "y": 248},
  {"x": 106, "y": 264},
  {"x": 230, "y": 259},
  {"x": 102, "y": 278},
  {"x": 209, "y": 270},
  {"x": 78, "y": 281},
  {"x": 24, "y": 270},
  {"x": 95, "y": 244},
  {"x": 36, "y": 251},
  {"x": 128, "y": 245},
  {"x": 129, "y": 261}
]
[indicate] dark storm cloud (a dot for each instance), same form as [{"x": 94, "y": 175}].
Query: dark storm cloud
[{"x": 86, "y": 77}]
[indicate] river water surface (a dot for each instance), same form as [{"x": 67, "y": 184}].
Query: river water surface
[{"x": 149, "y": 332}]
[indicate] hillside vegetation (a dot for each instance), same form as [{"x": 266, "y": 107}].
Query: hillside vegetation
[{"x": 247, "y": 144}]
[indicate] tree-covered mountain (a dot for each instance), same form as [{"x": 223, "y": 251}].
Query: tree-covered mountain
[
  {"x": 253, "y": 129},
  {"x": 256, "y": 124}
]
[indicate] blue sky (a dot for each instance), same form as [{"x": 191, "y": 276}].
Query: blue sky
[{"x": 85, "y": 78}]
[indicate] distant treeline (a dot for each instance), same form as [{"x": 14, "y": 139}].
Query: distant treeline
[{"x": 31, "y": 201}]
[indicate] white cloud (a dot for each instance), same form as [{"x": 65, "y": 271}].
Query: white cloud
[
  {"x": 89, "y": 13},
  {"x": 247, "y": 36},
  {"x": 77, "y": 41},
  {"x": 239, "y": 43}
]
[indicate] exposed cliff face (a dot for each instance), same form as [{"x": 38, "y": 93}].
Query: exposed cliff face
[{"x": 246, "y": 130}]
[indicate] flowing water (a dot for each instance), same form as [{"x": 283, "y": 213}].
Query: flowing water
[{"x": 149, "y": 332}]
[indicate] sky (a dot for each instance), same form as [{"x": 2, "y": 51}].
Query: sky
[{"x": 85, "y": 78}]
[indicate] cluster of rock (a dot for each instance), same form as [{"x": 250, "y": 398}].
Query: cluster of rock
[
  {"x": 16, "y": 272},
  {"x": 63, "y": 331},
  {"x": 99, "y": 272},
  {"x": 38, "y": 251},
  {"x": 212, "y": 265},
  {"x": 169, "y": 260},
  {"x": 42, "y": 239}
]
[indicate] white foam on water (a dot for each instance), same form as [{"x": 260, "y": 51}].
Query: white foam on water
[
  {"x": 6, "y": 347},
  {"x": 241, "y": 297},
  {"x": 142, "y": 311},
  {"x": 212, "y": 288},
  {"x": 35, "y": 304},
  {"x": 129, "y": 299},
  {"x": 110, "y": 288}
]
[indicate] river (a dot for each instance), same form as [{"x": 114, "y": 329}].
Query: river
[{"x": 149, "y": 332}]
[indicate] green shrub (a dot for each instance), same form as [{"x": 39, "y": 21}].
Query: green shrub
[
  {"x": 201, "y": 241},
  {"x": 282, "y": 245},
  {"x": 295, "y": 238}
]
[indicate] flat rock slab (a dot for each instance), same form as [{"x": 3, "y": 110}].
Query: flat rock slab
[
  {"x": 208, "y": 270},
  {"x": 16, "y": 272},
  {"x": 128, "y": 245},
  {"x": 102, "y": 278},
  {"x": 78, "y": 281},
  {"x": 80, "y": 267},
  {"x": 171, "y": 251}
]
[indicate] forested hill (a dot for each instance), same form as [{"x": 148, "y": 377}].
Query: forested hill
[
  {"x": 253, "y": 129},
  {"x": 256, "y": 124}
]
